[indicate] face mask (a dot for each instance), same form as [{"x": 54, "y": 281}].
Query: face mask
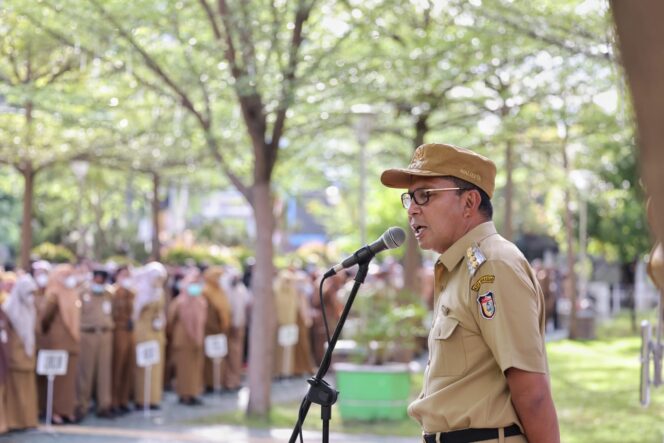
[
  {"x": 97, "y": 288},
  {"x": 70, "y": 282},
  {"x": 125, "y": 284},
  {"x": 42, "y": 280},
  {"x": 194, "y": 289}
]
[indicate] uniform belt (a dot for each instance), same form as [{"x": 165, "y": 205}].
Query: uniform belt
[
  {"x": 470, "y": 435},
  {"x": 96, "y": 329}
]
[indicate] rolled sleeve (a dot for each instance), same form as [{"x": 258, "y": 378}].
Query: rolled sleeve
[{"x": 512, "y": 326}]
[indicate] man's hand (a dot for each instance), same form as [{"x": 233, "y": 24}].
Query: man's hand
[{"x": 531, "y": 397}]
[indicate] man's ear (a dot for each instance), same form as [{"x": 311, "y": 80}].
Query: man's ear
[{"x": 473, "y": 199}]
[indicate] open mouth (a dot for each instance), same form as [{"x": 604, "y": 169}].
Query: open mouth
[{"x": 418, "y": 229}]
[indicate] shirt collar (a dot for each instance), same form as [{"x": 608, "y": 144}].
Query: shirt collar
[{"x": 457, "y": 251}]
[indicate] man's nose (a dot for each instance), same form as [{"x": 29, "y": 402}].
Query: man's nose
[{"x": 414, "y": 208}]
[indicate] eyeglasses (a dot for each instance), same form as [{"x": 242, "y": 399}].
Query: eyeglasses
[{"x": 421, "y": 196}]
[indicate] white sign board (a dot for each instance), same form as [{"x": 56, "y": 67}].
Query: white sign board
[
  {"x": 288, "y": 335},
  {"x": 50, "y": 362},
  {"x": 147, "y": 353},
  {"x": 216, "y": 346}
]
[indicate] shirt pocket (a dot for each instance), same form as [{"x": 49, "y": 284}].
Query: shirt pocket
[{"x": 449, "y": 353}]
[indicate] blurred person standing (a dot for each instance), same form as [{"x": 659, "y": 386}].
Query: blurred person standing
[
  {"x": 40, "y": 270},
  {"x": 61, "y": 329},
  {"x": 218, "y": 316},
  {"x": 487, "y": 378},
  {"x": 22, "y": 410},
  {"x": 239, "y": 298},
  {"x": 7, "y": 281},
  {"x": 96, "y": 357},
  {"x": 286, "y": 304},
  {"x": 304, "y": 357},
  {"x": 123, "y": 341},
  {"x": 150, "y": 324},
  {"x": 4, "y": 369},
  {"x": 333, "y": 309},
  {"x": 187, "y": 317}
]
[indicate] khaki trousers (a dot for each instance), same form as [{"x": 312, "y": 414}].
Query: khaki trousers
[
  {"x": 123, "y": 367},
  {"x": 95, "y": 370}
]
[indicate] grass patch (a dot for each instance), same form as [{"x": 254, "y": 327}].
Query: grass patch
[{"x": 595, "y": 387}]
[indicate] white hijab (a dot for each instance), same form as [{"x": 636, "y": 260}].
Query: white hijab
[
  {"x": 20, "y": 308},
  {"x": 147, "y": 283}
]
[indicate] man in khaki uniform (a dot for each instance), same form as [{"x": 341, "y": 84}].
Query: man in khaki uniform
[
  {"x": 95, "y": 363},
  {"x": 487, "y": 375}
]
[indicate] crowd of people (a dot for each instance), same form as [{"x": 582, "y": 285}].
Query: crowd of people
[{"x": 100, "y": 314}]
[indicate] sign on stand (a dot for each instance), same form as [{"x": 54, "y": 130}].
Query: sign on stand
[
  {"x": 147, "y": 355},
  {"x": 288, "y": 335},
  {"x": 51, "y": 363},
  {"x": 216, "y": 348}
]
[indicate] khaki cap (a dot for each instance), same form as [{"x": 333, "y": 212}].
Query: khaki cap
[{"x": 436, "y": 160}]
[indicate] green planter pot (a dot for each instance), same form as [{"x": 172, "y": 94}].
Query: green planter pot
[{"x": 369, "y": 393}]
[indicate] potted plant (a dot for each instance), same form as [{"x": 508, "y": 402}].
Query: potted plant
[{"x": 387, "y": 328}]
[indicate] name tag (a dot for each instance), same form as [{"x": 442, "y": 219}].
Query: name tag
[{"x": 107, "y": 307}]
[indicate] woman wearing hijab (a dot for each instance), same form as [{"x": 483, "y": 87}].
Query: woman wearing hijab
[
  {"x": 186, "y": 327},
  {"x": 61, "y": 329},
  {"x": 149, "y": 324},
  {"x": 239, "y": 299},
  {"x": 218, "y": 315},
  {"x": 21, "y": 381}
]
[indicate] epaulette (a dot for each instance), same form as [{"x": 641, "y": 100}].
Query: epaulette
[{"x": 474, "y": 258}]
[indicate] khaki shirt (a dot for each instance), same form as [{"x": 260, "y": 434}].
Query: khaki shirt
[
  {"x": 96, "y": 310},
  {"x": 487, "y": 318}
]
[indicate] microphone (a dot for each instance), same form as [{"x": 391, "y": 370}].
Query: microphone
[{"x": 392, "y": 238}]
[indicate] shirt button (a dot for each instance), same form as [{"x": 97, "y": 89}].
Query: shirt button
[{"x": 445, "y": 310}]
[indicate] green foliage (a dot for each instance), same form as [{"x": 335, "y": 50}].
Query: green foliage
[
  {"x": 53, "y": 253},
  {"x": 202, "y": 255},
  {"x": 388, "y": 320}
]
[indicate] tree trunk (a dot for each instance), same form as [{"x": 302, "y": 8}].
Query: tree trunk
[
  {"x": 263, "y": 322},
  {"x": 569, "y": 231},
  {"x": 156, "y": 244},
  {"x": 508, "y": 228},
  {"x": 26, "y": 221},
  {"x": 412, "y": 257}
]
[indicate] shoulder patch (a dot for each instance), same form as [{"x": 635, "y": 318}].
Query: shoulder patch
[
  {"x": 487, "y": 305},
  {"x": 474, "y": 258},
  {"x": 489, "y": 278}
]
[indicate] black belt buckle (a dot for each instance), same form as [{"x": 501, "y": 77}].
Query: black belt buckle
[{"x": 471, "y": 435}]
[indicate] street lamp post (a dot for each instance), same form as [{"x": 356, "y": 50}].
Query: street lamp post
[
  {"x": 80, "y": 169},
  {"x": 363, "y": 127}
]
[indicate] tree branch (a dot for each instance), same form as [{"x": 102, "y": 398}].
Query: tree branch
[{"x": 152, "y": 64}]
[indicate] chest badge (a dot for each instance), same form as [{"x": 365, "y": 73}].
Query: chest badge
[
  {"x": 487, "y": 305},
  {"x": 474, "y": 258}
]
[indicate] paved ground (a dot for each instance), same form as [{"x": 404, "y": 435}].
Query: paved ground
[{"x": 173, "y": 423}]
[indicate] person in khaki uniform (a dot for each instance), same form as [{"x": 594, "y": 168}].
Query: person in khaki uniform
[
  {"x": 21, "y": 395},
  {"x": 218, "y": 316},
  {"x": 186, "y": 330},
  {"x": 487, "y": 376},
  {"x": 95, "y": 362},
  {"x": 60, "y": 326},
  {"x": 4, "y": 369},
  {"x": 286, "y": 304},
  {"x": 239, "y": 298},
  {"x": 149, "y": 324},
  {"x": 123, "y": 341}
]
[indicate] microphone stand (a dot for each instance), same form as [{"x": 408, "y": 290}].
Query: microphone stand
[{"x": 320, "y": 392}]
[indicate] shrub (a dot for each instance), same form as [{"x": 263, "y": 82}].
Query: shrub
[{"x": 53, "y": 253}]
